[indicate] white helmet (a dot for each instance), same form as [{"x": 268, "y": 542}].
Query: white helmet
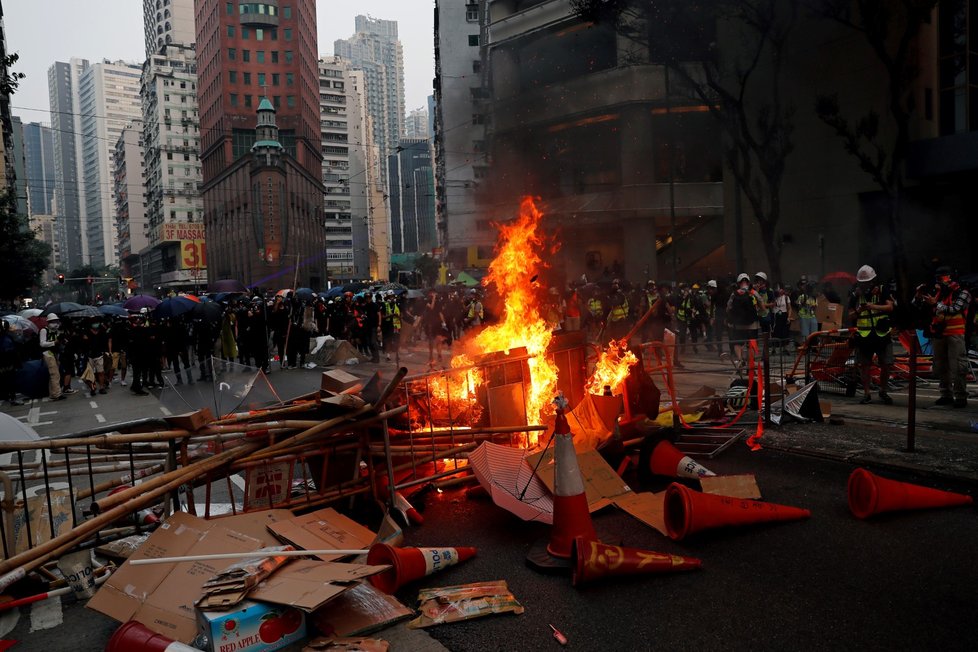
[
  {"x": 865, "y": 274},
  {"x": 711, "y": 284},
  {"x": 743, "y": 277},
  {"x": 762, "y": 276},
  {"x": 52, "y": 317}
]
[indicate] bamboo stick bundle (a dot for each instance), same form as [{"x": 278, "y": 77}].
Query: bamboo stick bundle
[
  {"x": 115, "y": 482},
  {"x": 462, "y": 432},
  {"x": 251, "y": 415}
]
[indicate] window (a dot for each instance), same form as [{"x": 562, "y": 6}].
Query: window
[
  {"x": 259, "y": 35},
  {"x": 473, "y": 39},
  {"x": 471, "y": 11},
  {"x": 247, "y": 78},
  {"x": 260, "y": 56},
  {"x": 290, "y": 101},
  {"x": 478, "y": 119},
  {"x": 477, "y": 66},
  {"x": 229, "y": 8},
  {"x": 275, "y": 79},
  {"x": 233, "y": 76},
  {"x": 287, "y": 34},
  {"x": 288, "y": 56},
  {"x": 248, "y": 101},
  {"x": 245, "y": 34},
  {"x": 287, "y": 13},
  {"x": 231, "y": 54},
  {"x": 958, "y": 52},
  {"x": 273, "y": 35},
  {"x": 277, "y": 101},
  {"x": 231, "y": 31},
  {"x": 261, "y": 79},
  {"x": 274, "y": 56},
  {"x": 246, "y": 55},
  {"x": 289, "y": 79}
]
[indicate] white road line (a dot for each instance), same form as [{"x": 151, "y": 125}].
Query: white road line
[
  {"x": 23, "y": 418},
  {"x": 165, "y": 411},
  {"x": 33, "y": 415},
  {"x": 100, "y": 418},
  {"x": 42, "y": 423},
  {"x": 44, "y": 414},
  {"x": 238, "y": 481},
  {"x": 93, "y": 404}
]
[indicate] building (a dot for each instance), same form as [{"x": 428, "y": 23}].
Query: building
[
  {"x": 625, "y": 167},
  {"x": 69, "y": 191},
  {"x": 171, "y": 146},
  {"x": 375, "y": 49},
  {"x": 166, "y": 22},
  {"x": 6, "y": 124},
  {"x": 130, "y": 199},
  {"x": 108, "y": 101},
  {"x": 412, "y": 198},
  {"x": 264, "y": 216},
  {"x": 416, "y": 123},
  {"x": 44, "y": 229},
  {"x": 336, "y": 107},
  {"x": 17, "y": 182},
  {"x": 248, "y": 52},
  {"x": 459, "y": 133},
  {"x": 40, "y": 164}
]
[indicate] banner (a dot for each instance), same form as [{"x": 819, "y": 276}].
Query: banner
[
  {"x": 178, "y": 231},
  {"x": 193, "y": 254}
]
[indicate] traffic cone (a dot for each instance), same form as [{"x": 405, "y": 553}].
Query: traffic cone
[
  {"x": 572, "y": 518},
  {"x": 594, "y": 560},
  {"x": 143, "y": 516},
  {"x": 688, "y": 511},
  {"x": 136, "y": 637},
  {"x": 409, "y": 564},
  {"x": 870, "y": 494},
  {"x": 669, "y": 461}
]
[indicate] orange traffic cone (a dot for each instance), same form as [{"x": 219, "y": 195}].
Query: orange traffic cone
[
  {"x": 409, "y": 564},
  {"x": 143, "y": 516},
  {"x": 870, "y": 494},
  {"x": 572, "y": 518},
  {"x": 595, "y": 560},
  {"x": 136, "y": 637},
  {"x": 688, "y": 511},
  {"x": 669, "y": 461}
]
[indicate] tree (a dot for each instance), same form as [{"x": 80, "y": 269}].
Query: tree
[
  {"x": 428, "y": 268},
  {"x": 890, "y": 28},
  {"x": 740, "y": 83},
  {"x": 9, "y": 80},
  {"x": 22, "y": 256}
]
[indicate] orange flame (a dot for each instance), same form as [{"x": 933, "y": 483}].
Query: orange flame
[{"x": 612, "y": 368}]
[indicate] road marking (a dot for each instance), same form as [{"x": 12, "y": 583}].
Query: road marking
[
  {"x": 33, "y": 415},
  {"x": 165, "y": 411},
  {"x": 238, "y": 481},
  {"x": 93, "y": 404},
  {"x": 44, "y": 414},
  {"x": 100, "y": 418},
  {"x": 46, "y": 614}
]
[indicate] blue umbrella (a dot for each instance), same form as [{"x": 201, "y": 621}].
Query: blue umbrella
[
  {"x": 113, "y": 310},
  {"x": 173, "y": 307},
  {"x": 304, "y": 294},
  {"x": 142, "y": 301},
  {"x": 334, "y": 292}
]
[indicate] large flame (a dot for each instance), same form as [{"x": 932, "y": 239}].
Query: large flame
[
  {"x": 512, "y": 272},
  {"x": 612, "y": 368}
]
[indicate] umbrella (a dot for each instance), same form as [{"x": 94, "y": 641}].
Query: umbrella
[
  {"x": 112, "y": 310},
  {"x": 82, "y": 313},
  {"x": 20, "y": 327},
  {"x": 304, "y": 294},
  {"x": 840, "y": 277},
  {"x": 396, "y": 288},
  {"x": 190, "y": 297},
  {"x": 227, "y": 285},
  {"x": 136, "y": 304},
  {"x": 222, "y": 297},
  {"x": 210, "y": 312},
  {"x": 334, "y": 292},
  {"x": 415, "y": 294},
  {"x": 174, "y": 307},
  {"x": 63, "y": 307},
  {"x": 31, "y": 312},
  {"x": 504, "y": 473}
]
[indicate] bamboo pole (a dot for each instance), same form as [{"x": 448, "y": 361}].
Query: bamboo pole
[
  {"x": 245, "y": 555},
  {"x": 115, "y": 482},
  {"x": 238, "y": 417},
  {"x": 462, "y": 432}
]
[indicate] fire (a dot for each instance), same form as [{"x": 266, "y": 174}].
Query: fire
[
  {"x": 612, "y": 368},
  {"x": 512, "y": 272}
]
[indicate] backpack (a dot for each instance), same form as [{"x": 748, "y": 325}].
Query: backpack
[{"x": 743, "y": 310}]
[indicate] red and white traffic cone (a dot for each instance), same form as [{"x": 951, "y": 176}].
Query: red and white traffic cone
[
  {"x": 143, "y": 516},
  {"x": 572, "y": 518},
  {"x": 136, "y": 637},
  {"x": 671, "y": 462}
]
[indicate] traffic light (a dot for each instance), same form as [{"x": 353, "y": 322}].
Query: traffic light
[{"x": 61, "y": 279}]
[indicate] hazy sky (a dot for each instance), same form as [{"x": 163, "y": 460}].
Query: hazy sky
[{"x": 45, "y": 31}]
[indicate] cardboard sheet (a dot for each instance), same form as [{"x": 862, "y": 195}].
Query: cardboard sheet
[
  {"x": 308, "y": 584},
  {"x": 361, "y": 610},
  {"x": 321, "y": 530},
  {"x": 601, "y": 484},
  {"x": 647, "y": 507},
  {"x": 737, "y": 486}
]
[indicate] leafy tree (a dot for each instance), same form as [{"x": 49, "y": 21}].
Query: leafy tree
[
  {"x": 22, "y": 256},
  {"x": 9, "y": 79},
  {"x": 880, "y": 143},
  {"x": 740, "y": 84},
  {"x": 428, "y": 267}
]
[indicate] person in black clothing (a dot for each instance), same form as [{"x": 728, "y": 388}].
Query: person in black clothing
[
  {"x": 97, "y": 346},
  {"x": 138, "y": 352},
  {"x": 119, "y": 331},
  {"x": 203, "y": 338},
  {"x": 278, "y": 322},
  {"x": 257, "y": 334},
  {"x": 156, "y": 350},
  {"x": 177, "y": 343},
  {"x": 9, "y": 364}
]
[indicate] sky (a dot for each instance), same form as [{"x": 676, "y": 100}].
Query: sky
[{"x": 113, "y": 29}]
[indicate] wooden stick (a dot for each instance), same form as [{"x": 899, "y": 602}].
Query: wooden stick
[{"x": 246, "y": 555}]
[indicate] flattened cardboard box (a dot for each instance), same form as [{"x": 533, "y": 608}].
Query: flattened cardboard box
[
  {"x": 321, "y": 530},
  {"x": 360, "y": 611},
  {"x": 162, "y": 596},
  {"x": 308, "y": 584},
  {"x": 601, "y": 484}
]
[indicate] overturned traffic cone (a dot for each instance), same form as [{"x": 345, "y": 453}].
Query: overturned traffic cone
[
  {"x": 409, "y": 564},
  {"x": 143, "y": 516},
  {"x": 136, "y": 637},
  {"x": 688, "y": 511},
  {"x": 594, "y": 560},
  {"x": 669, "y": 461},
  {"x": 870, "y": 494}
]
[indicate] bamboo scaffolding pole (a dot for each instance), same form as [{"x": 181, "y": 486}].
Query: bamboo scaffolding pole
[
  {"x": 238, "y": 417},
  {"x": 454, "y": 482},
  {"x": 245, "y": 555},
  {"x": 17, "y": 567},
  {"x": 96, "y": 470},
  {"x": 462, "y": 432},
  {"x": 115, "y": 482}
]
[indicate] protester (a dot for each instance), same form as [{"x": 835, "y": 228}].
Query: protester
[
  {"x": 10, "y": 362},
  {"x": 870, "y": 306},
  {"x": 742, "y": 317},
  {"x": 50, "y": 342},
  {"x": 948, "y": 303}
]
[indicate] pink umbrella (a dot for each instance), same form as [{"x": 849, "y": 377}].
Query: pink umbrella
[{"x": 509, "y": 479}]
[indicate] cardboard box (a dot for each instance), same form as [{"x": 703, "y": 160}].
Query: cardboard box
[
  {"x": 361, "y": 610},
  {"x": 162, "y": 596},
  {"x": 335, "y": 381},
  {"x": 308, "y": 584},
  {"x": 250, "y": 627},
  {"x": 830, "y": 315},
  {"x": 191, "y": 421},
  {"x": 321, "y": 530},
  {"x": 601, "y": 484}
]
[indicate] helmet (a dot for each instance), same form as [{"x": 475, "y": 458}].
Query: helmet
[
  {"x": 52, "y": 317},
  {"x": 711, "y": 284},
  {"x": 144, "y": 311},
  {"x": 742, "y": 277},
  {"x": 944, "y": 270},
  {"x": 696, "y": 286},
  {"x": 650, "y": 284},
  {"x": 865, "y": 274},
  {"x": 762, "y": 276}
]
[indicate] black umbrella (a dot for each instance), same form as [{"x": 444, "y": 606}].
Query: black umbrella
[
  {"x": 209, "y": 311},
  {"x": 227, "y": 285},
  {"x": 63, "y": 307},
  {"x": 83, "y": 312}
]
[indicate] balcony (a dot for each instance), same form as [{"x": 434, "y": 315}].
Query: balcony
[{"x": 259, "y": 14}]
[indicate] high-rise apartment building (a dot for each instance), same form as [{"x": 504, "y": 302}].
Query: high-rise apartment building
[
  {"x": 166, "y": 22},
  {"x": 416, "y": 123},
  {"x": 64, "y": 79},
  {"x": 130, "y": 198},
  {"x": 412, "y": 198},
  {"x": 337, "y": 114},
  {"x": 171, "y": 145},
  {"x": 253, "y": 55},
  {"x": 39, "y": 159},
  {"x": 375, "y": 49},
  {"x": 15, "y": 159},
  {"x": 108, "y": 101}
]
